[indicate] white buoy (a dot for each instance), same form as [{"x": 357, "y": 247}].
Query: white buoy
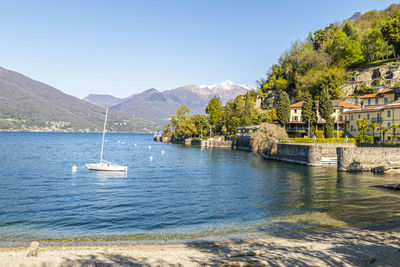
[
  {"x": 149, "y": 147},
  {"x": 119, "y": 142},
  {"x": 74, "y": 168},
  {"x": 162, "y": 151},
  {"x": 151, "y": 158},
  {"x": 135, "y": 145},
  {"x": 123, "y": 143}
]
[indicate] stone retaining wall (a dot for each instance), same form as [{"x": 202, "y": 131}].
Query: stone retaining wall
[
  {"x": 305, "y": 154},
  {"x": 367, "y": 158},
  {"x": 329, "y": 149},
  {"x": 242, "y": 142}
]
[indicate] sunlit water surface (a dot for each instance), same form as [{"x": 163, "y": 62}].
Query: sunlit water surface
[{"x": 183, "y": 192}]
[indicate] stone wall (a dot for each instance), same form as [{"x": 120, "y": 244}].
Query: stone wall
[
  {"x": 367, "y": 158},
  {"x": 329, "y": 149},
  {"x": 242, "y": 142},
  {"x": 306, "y": 154}
]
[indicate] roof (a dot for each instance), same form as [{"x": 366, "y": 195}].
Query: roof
[
  {"x": 362, "y": 110},
  {"x": 336, "y": 103},
  {"x": 379, "y": 94},
  {"x": 395, "y": 104}
]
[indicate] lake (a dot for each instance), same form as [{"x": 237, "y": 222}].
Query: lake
[{"x": 185, "y": 192}]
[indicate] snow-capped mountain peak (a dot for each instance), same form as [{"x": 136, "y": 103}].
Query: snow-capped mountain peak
[{"x": 225, "y": 85}]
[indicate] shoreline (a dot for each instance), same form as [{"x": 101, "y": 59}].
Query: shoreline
[{"x": 321, "y": 247}]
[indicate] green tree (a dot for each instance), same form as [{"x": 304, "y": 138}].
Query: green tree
[
  {"x": 326, "y": 110},
  {"x": 391, "y": 33},
  {"x": 383, "y": 130},
  {"x": 374, "y": 126},
  {"x": 215, "y": 110},
  {"x": 373, "y": 45},
  {"x": 307, "y": 110},
  {"x": 202, "y": 125},
  {"x": 182, "y": 123},
  {"x": 329, "y": 128},
  {"x": 246, "y": 115},
  {"x": 362, "y": 124},
  {"x": 283, "y": 108},
  {"x": 394, "y": 128}
]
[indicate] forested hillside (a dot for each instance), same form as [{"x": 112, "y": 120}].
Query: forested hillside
[{"x": 327, "y": 56}]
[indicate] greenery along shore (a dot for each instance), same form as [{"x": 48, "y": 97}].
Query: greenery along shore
[{"x": 317, "y": 68}]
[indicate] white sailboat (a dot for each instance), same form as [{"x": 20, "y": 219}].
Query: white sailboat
[{"x": 105, "y": 165}]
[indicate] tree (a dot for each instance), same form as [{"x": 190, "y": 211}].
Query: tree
[
  {"x": 182, "y": 122},
  {"x": 326, "y": 110},
  {"x": 384, "y": 130},
  {"x": 373, "y": 45},
  {"x": 391, "y": 33},
  {"x": 374, "y": 126},
  {"x": 307, "y": 109},
  {"x": 362, "y": 124},
  {"x": 394, "y": 127},
  {"x": 246, "y": 119},
  {"x": 202, "y": 125},
  {"x": 283, "y": 108},
  {"x": 215, "y": 110}
]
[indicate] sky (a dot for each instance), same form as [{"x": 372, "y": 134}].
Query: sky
[{"x": 122, "y": 47}]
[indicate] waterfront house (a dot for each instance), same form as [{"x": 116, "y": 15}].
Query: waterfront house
[
  {"x": 383, "y": 97},
  {"x": 384, "y": 116},
  {"x": 298, "y": 128}
]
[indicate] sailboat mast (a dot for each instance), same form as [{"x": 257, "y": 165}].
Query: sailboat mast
[{"x": 104, "y": 132}]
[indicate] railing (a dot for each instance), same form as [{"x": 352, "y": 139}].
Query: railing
[{"x": 378, "y": 120}]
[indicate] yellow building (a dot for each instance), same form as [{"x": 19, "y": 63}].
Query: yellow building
[
  {"x": 379, "y": 108},
  {"x": 297, "y": 127},
  {"x": 383, "y": 97}
]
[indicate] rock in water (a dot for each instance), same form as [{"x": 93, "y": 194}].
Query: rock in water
[
  {"x": 33, "y": 249},
  {"x": 378, "y": 169}
]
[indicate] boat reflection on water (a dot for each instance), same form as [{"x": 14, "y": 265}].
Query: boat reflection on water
[{"x": 110, "y": 174}]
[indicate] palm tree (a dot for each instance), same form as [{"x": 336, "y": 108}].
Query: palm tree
[
  {"x": 362, "y": 124},
  {"x": 374, "y": 126},
  {"x": 384, "y": 130},
  {"x": 394, "y": 127}
]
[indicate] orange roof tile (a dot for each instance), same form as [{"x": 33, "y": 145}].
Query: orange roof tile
[
  {"x": 297, "y": 105},
  {"x": 336, "y": 103},
  {"x": 379, "y": 94}
]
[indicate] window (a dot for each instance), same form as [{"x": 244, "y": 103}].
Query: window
[
  {"x": 351, "y": 117},
  {"x": 369, "y": 102},
  {"x": 376, "y": 101},
  {"x": 295, "y": 118},
  {"x": 386, "y": 101},
  {"x": 388, "y": 124},
  {"x": 359, "y": 116},
  {"x": 295, "y": 110},
  {"x": 388, "y": 113},
  {"x": 351, "y": 127},
  {"x": 367, "y": 116},
  {"x": 341, "y": 118}
]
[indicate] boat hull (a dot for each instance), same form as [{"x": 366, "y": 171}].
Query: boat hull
[{"x": 106, "y": 167}]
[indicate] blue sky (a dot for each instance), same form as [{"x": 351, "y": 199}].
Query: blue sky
[{"x": 120, "y": 47}]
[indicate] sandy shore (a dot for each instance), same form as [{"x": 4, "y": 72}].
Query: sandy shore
[{"x": 343, "y": 247}]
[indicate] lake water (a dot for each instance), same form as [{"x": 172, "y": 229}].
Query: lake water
[{"x": 183, "y": 193}]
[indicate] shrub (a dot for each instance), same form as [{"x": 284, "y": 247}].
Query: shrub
[
  {"x": 341, "y": 134},
  {"x": 318, "y": 140},
  {"x": 267, "y": 137},
  {"x": 319, "y": 134},
  {"x": 368, "y": 139}
]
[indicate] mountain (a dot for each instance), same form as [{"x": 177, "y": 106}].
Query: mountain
[
  {"x": 150, "y": 104},
  {"x": 103, "y": 100},
  {"x": 26, "y": 104},
  {"x": 160, "y": 106}
]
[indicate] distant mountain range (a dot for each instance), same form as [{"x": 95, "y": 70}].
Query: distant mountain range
[
  {"x": 29, "y": 105},
  {"x": 160, "y": 106}
]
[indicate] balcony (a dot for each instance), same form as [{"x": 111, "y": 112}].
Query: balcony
[{"x": 376, "y": 120}]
